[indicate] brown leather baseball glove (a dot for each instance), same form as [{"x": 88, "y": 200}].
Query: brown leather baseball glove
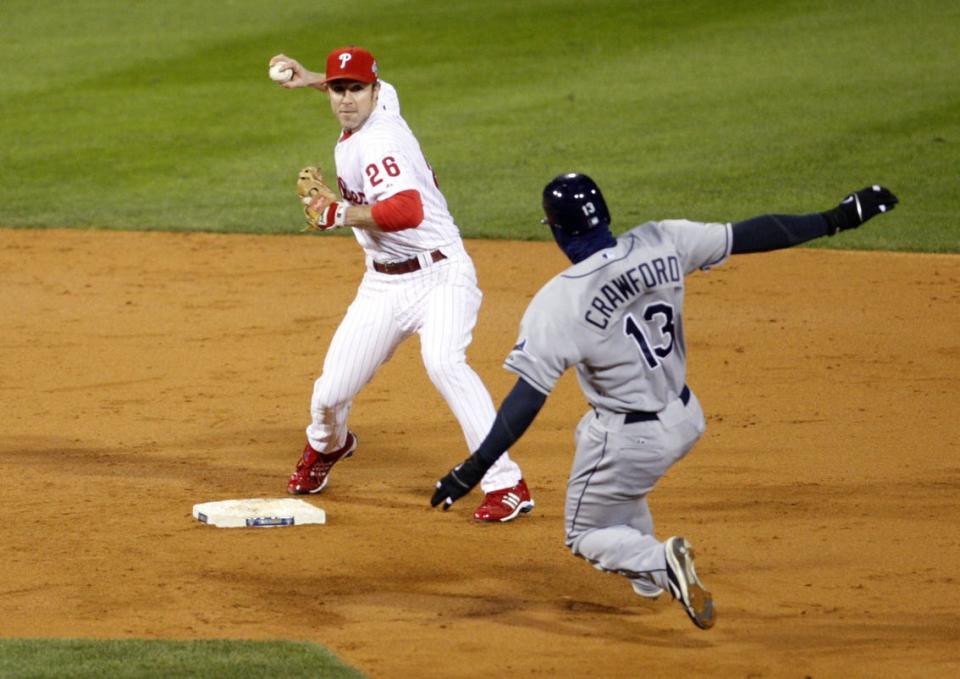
[{"x": 315, "y": 195}]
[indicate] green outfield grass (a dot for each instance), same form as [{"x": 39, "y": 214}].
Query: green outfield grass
[
  {"x": 160, "y": 115},
  {"x": 73, "y": 658}
]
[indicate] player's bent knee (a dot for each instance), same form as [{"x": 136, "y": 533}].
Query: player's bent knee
[
  {"x": 441, "y": 371},
  {"x": 573, "y": 541}
]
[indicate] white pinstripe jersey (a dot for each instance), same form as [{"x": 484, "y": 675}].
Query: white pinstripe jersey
[
  {"x": 618, "y": 317},
  {"x": 378, "y": 161}
]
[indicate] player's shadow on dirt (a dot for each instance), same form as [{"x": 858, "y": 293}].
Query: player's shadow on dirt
[{"x": 583, "y": 619}]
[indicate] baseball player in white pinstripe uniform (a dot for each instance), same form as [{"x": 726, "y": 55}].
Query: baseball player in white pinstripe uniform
[{"x": 419, "y": 279}]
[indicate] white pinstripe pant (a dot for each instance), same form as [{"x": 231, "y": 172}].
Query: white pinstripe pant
[{"x": 440, "y": 304}]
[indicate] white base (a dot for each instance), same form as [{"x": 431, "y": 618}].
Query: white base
[{"x": 258, "y": 513}]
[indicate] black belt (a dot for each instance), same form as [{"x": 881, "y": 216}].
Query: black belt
[
  {"x": 407, "y": 265},
  {"x": 640, "y": 416}
]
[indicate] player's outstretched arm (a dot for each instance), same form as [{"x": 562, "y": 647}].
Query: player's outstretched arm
[
  {"x": 773, "y": 232},
  {"x": 516, "y": 414}
]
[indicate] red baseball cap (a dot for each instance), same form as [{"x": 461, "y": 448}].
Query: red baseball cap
[{"x": 351, "y": 63}]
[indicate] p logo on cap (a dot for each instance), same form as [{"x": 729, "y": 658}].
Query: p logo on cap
[{"x": 351, "y": 63}]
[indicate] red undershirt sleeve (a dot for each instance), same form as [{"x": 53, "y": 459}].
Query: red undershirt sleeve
[{"x": 403, "y": 210}]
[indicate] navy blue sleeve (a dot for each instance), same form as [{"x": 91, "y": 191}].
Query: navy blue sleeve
[
  {"x": 774, "y": 232},
  {"x": 516, "y": 413}
]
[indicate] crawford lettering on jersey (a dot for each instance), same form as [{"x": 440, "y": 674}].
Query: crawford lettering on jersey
[
  {"x": 355, "y": 197},
  {"x": 629, "y": 284}
]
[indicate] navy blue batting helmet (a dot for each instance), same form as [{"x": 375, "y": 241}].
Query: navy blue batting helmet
[{"x": 574, "y": 205}]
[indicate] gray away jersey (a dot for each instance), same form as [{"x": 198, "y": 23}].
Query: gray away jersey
[{"x": 618, "y": 317}]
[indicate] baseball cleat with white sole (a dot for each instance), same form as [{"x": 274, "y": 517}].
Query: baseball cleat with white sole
[
  {"x": 684, "y": 584},
  {"x": 313, "y": 470},
  {"x": 647, "y": 590},
  {"x": 505, "y": 504}
]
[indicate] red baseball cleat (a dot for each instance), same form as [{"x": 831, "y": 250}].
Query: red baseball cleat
[
  {"x": 505, "y": 504},
  {"x": 313, "y": 469}
]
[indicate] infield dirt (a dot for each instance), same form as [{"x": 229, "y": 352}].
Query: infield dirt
[{"x": 146, "y": 372}]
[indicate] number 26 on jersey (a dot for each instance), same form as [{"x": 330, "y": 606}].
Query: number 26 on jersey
[{"x": 388, "y": 166}]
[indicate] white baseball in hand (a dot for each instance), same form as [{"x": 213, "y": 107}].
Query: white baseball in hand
[{"x": 281, "y": 72}]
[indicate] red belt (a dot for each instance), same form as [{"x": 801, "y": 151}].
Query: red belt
[{"x": 407, "y": 265}]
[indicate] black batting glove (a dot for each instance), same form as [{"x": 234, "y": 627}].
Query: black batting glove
[
  {"x": 858, "y": 207},
  {"x": 458, "y": 482}
]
